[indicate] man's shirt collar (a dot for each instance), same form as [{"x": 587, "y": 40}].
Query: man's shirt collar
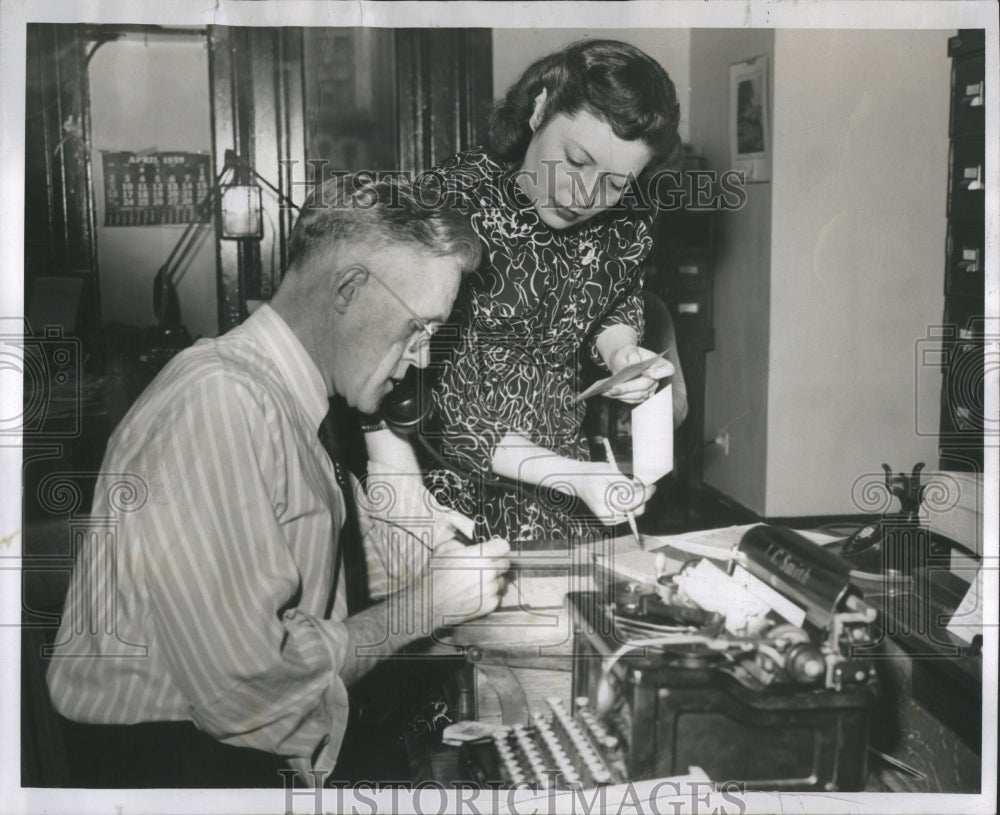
[{"x": 299, "y": 370}]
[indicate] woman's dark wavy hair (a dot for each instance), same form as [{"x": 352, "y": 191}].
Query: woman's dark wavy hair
[{"x": 614, "y": 81}]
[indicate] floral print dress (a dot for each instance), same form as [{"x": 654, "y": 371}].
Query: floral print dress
[{"x": 526, "y": 319}]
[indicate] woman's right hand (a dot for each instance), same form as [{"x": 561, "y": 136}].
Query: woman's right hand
[
  {"x": 638, "y": 389},
  {"x": 609, "y": 494}
]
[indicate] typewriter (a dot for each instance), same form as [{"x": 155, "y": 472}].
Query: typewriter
[{"x": 772, "y": 690}]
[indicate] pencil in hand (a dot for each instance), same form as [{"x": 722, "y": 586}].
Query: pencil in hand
[{"x": 630, "y": 516}]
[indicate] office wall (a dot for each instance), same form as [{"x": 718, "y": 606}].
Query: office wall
[
  {"x": 736, "y": 386},
  {"x": 151, "y": 93},
  {"x": 515, "y": 49},
  {"x": 828, "y": 280},
  {"x": 857, "y": 251}
]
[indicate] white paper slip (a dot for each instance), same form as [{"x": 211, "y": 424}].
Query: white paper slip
[
  {"x": 712, "y": 589},
  {"x": 653, "y": 437},
  {"x": 624, "y": 375},
  {"x": 457, "y": 734}
]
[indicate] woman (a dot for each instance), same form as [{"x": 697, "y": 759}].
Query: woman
[{"x": 557, "y": 200}]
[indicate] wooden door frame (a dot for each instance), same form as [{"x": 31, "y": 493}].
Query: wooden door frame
[
  {"x": 59, "y": 217},
  {"x": 444, "y": 93},
  {"x": 257, "y": 104}
]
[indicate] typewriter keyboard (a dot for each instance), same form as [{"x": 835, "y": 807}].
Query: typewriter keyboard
[{"x": 557, "y": 749}]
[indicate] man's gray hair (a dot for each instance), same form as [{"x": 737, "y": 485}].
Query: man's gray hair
[{"x": 389, "y": 207}]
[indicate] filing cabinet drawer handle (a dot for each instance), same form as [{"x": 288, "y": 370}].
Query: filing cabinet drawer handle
[
  {"x": 970, "y": 260},
  {"x": 974, "y": 95},
  {"x": 972, "y": 177}
]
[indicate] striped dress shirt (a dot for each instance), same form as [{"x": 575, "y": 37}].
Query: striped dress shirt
[{"x": 200, "y": 594}]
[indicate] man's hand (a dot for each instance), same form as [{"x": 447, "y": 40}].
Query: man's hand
[
  {"x": 637, "y": 390},
  {"x": 453, "y": 531},
  {"x": 397, "y": 551},
  {"x": 459, "y": 584}
]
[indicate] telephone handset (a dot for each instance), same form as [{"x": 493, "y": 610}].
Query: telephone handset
[
  {"x": 408, "y": 406},
  {"x": 899, "y": 540}
]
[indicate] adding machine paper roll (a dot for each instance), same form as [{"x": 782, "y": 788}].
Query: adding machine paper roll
[{"x": 653, "y": 436}]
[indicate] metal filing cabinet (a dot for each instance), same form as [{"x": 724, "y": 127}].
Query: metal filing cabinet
[
  {"x": 962, "y": 392},
  {"x": 679, "y": 271}
]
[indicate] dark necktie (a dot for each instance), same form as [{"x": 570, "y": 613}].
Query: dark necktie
[{"x": 350, "y": 553}]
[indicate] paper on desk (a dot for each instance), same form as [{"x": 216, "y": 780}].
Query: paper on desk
[
  {"x": 967, "y": 621},
  {"x": 639, "y": 566},
  {"x": 653, "y": 436},
  {"x": 532, "y": 614},
  {"x": 543, "y": 592},
  {"x": 719, "y": 544},
  {"x": 715, "y": 544}
]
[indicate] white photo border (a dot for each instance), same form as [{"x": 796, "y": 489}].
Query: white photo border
[{"x": 651, "y": 14}]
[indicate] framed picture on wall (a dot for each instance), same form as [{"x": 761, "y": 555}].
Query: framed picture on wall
[{"x": 749, "y": 125}]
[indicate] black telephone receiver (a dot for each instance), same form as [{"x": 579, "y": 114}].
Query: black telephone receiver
[{"x": 408, "y": 405}]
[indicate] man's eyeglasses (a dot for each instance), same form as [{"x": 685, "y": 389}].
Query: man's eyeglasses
[{"x": 426, "y": 329}]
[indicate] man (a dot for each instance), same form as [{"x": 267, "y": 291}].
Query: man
[{"x": 211, "y": 603}]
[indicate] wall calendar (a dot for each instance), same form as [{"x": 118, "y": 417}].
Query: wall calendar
[{"x": 155, "y": 188}]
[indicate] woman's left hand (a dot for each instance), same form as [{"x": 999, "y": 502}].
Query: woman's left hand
[{"x": 639, "y": 389}]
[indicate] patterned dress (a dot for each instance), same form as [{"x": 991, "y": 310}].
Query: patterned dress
[{"x": 527, "y": 318}]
